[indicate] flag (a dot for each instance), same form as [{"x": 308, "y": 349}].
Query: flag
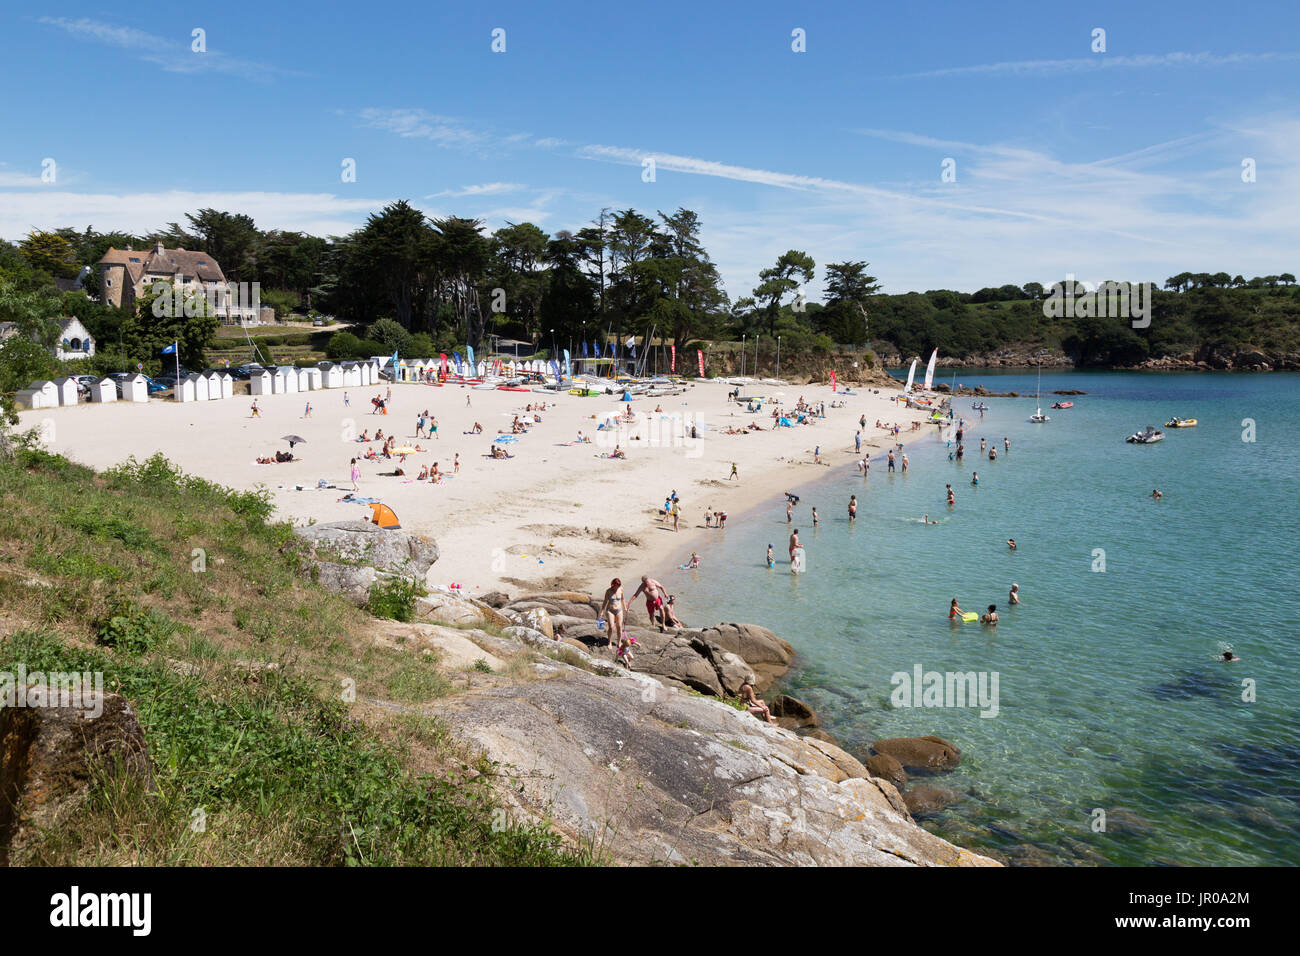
[
  {"x": 595, "y": 349},
  {"x": 469, "y": 360},
  {"x": 832, "y": 380},
  {"x": 567, "y": 369},
  {"x": 584, "y": 349},
  {"x": 394, "y": 361},
  {"x": 170, "y": 349},
  {"x": 456, "y": 357},
  {"x": 700, "y": 355},
  {"x": 443, "y": 356},
  {"x": 555, "y": 367},
  {"x": 673, "y": 367}
]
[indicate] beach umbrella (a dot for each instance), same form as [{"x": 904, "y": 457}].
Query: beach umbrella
[{"x": 293, "y": 439}]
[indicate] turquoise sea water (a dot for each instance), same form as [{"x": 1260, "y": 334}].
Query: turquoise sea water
[{"x": 1110, "y": 694}]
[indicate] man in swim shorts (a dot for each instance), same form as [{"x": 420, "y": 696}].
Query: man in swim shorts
[{"x": 654, "y": 599}]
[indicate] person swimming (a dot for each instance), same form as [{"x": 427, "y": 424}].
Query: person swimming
[
  {"x": 991, "y": 616},
  {"x": 1011, "y": 543},
  {"x": 974, "y": 477},
  {"x": 1155, "y": 493},
  {"x": 954, "y": 612}
]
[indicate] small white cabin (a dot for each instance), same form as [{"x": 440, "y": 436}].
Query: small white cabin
[
  {"x": 105, "y": 390},
  {"x": 135, "y": 389},
  {"x": 261, "y": 383},
  {"x": 42, "y": 394},
  {"x": 67, "y": 389}
]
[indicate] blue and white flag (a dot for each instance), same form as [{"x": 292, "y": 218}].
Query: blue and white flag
[
  {"x": 456, "y": 358},
  {"x": 469, "y": 359},
  {"x": 584, "y": 349},
  {"x": 567, "y": 369},
  {"x": 394, "y": 361},
  {"x": 555, "y": 368},
  {"x": 170, "y": 349}
]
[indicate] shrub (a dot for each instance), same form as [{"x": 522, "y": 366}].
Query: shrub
[{"x": 395, "y": 598}]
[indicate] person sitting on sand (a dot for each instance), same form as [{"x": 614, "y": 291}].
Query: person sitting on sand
[
  {"x": 424, "y": 473},
  {"x": 991, "y": 616},
  {"x": 364, "y": 438},
  {"x": 694, "y": 563},
  {"x": 618, "y": 452},
  {"x": 754, "y": 704}
]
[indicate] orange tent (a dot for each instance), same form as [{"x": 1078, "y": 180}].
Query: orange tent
[{"x": 384, "y": 517}]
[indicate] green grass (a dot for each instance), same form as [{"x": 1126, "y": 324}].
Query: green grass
[{"x": 163, "y": 582}]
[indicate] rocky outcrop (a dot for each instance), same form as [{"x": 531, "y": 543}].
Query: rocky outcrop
[
  {"x": 652, "y": 775},
  {"x": 887, "y": 768},
  {"x": 920, "y": 753},
  {"x": 49, "y": 759},
  {"x": 360, "y": 542},
  {"x": 447, "y": 606}
]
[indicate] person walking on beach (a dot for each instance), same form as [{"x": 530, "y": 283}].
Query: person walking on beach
[
  {"x": 857, "y": 442},
  {"x": 433, "y": 427},
  {"x": 817, "y": 455},
  {"x": 467, "y": 404},
  {"x": 388, "y": 395},
  {"x": 347, "y": 402},
  {"x": 255, "y": 411},
  {"x": 853, "y": 507},
  {"x": 419, "y": 427},
  {"x": 356, "y": 475},
  {"x": 655, "y": 595},
  {"x": 612, "y": 612},
  {"x": 677, "y": 515},
  {"x": 307, "y": 411},
  {"x": 734, "y": 474},
  {"x": 455, "y": 465},
  {"x": 771, "y": 559}
]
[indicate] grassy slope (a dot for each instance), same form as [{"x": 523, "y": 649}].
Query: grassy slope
[{"x": 101, "y": 573}]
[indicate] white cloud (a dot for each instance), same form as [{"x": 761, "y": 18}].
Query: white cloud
[
  {"x": 172, "y": 55},
  {"x": 321, "y": 214},
  {"x": 482, "y": 189},
  {"x": 1102, "y": 62}
]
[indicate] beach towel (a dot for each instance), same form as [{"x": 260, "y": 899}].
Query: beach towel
[
  {"x": 354, "y": 500},
  {"x": 505, "y": 438}
]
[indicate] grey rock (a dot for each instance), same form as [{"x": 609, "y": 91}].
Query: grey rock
[
  {"x": 353, "y": 581},
  {"x": 360, "y": 541}
]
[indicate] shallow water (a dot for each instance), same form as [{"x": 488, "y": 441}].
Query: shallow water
[{"x": 1110, "y": 696}]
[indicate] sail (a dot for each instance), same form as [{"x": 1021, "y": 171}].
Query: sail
[
  {"x": 911, "y": 376},
  {"x": 929, "y": 370}
]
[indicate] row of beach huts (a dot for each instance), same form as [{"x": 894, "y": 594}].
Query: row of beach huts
[{"x": 207, "y": 386}]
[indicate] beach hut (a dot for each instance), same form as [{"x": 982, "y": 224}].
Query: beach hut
[
  {"x": 184, "y": 390},
  {"x": 332, "y": 376},
  {"x": 261, "y": 383},
  {"x": 201, "y": 391},
  {"x": 351, "y": 375},
  {"x": 290, "y": 374},
  {"x": 367, "y": 373},
  {"x": 105, "y": 390},
  {"x": 225, "y": 384},
  {"x": 67, "y": 390},
  {"x": 304, "y": 379},
  {"x": 42, "y": 394},
  {"x": 315, "y": 378},
  {"x": 278, "y": 386},
  {"x": 135, "y": 388},
  {"x": 214, "y": 386}
]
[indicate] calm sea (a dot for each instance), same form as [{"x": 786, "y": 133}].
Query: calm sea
[{"x": 1111, "y": 697}]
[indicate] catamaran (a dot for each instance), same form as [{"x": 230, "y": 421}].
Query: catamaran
[{"x": 929, "y": 371}]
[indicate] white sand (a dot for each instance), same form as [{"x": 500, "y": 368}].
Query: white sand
[{"x": 495, "y": 519}]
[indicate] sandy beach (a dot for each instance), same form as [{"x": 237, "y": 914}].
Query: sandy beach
[{"x": 554, "y": 516}]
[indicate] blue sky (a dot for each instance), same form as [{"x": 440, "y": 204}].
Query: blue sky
[{"x": 1125, "y": 164}]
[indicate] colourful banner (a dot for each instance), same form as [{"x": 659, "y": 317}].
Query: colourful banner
[
  {"x": 673, "y": 368},
  {"x": 443, "y": 356},
  {"x": 832, "y": 380},
  {"x": 699, "y": 354}
]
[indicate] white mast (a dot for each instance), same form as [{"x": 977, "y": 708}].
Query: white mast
[{"x": 911, "y": 376}]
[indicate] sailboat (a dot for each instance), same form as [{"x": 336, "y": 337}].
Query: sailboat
[
  {"x": 1038, "y": 417},
  {"x": 911, "y": 377},
  {"x": 929, "y": 371}
]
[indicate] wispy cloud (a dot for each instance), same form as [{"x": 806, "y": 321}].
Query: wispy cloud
[
  {"x": 171, "y": 55},
  {"x": 482, "y": 189},
  {"x": 1104, "y": 61}
]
